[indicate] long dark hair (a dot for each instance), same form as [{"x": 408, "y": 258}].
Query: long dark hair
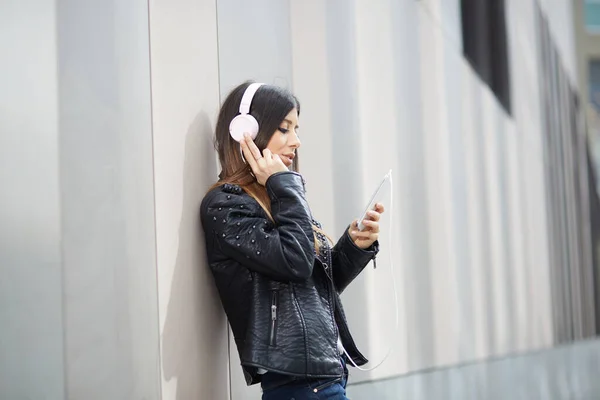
[{"x": 270, "y": 105}]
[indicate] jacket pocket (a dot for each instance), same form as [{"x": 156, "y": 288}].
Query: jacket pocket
[
  {"x": 322, "y": 386},
  {"x": 273, "y": 329}
]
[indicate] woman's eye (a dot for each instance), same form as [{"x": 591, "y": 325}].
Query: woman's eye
[{"x": 283, "y": 130}]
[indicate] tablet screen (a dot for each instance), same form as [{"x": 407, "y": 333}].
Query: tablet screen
[{"x": 378, "y": 196}]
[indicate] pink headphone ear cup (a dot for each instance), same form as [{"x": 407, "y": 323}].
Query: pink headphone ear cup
[{"x": 241, "y": 124}]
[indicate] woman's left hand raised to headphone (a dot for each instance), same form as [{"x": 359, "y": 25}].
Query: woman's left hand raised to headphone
[{"x": 263, "y": 165}]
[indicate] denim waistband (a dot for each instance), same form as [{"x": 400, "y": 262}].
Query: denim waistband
[{"x": 272, "y": 380}]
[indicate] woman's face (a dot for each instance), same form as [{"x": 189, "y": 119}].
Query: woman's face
[{"x": 285, "y": 140}]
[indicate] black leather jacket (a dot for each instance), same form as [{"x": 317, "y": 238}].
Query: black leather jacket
[{"x": 280, "y": 296}]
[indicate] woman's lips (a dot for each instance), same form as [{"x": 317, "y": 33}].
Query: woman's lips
[{"x": 287, "y": 159}]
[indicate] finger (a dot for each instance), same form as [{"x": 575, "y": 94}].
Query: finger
[
  {"x": 277, "y": 158},
  {"x": 373, "y": 215},
  {"x": 374, "y": 237},
  {"x": 379, "y": 208},
  {"x": 252, "y": 146},
  {"x": 372, "y": 226},
  {"x": 249, "y": 156},
  {"x": 361, "y": 235},
  {"x": 267, "y": 154},
  {"x": 352, "y": 229},
  {"x": 371, "y": 238}
]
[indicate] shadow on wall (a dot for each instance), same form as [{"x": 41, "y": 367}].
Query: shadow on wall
[{"x": 194, "y": 339}]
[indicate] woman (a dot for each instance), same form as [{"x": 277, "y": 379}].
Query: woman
[{"x": 277, "y": 275}]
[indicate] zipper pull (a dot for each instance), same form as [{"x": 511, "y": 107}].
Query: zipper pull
[
  {"x": 374, "y": 262},
  {"x": 273, "y": 312}
]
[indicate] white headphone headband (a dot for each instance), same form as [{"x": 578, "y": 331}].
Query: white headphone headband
[
  {"x": 247, "y": 98},
  {"x": 244, "y": 122}
]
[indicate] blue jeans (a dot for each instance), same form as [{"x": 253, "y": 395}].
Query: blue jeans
[{"x": 285, "y": 387}]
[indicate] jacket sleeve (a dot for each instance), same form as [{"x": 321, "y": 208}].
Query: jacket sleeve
[
  {"x": 283, "y": 251},
  {"x": 349, "y": 260}
]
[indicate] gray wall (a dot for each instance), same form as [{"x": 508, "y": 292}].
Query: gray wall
[
  {"x": 106, "y": 184},
  {"x": 78, "y": 260},
  {"x": 185, "y": 100},
  {"x": 106, "y": 120},
  {"x": 32, "y": 361}
]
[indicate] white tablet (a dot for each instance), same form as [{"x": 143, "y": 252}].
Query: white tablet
[{"x": 377, "y": 197}]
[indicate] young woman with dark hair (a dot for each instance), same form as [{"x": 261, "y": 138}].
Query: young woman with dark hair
[{"x": 278, "y": 276}]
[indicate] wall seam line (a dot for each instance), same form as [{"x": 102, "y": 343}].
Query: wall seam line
[{"x": 160, "y": 391}]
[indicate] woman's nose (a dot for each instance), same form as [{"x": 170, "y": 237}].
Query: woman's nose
[{"x": 295, "y": 140}]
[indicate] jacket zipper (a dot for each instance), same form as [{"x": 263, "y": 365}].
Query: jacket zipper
[
  {"x": 273, "y": 318},
  {"x": 374, "y": 262},
  {"x": 330, "y": 290}
]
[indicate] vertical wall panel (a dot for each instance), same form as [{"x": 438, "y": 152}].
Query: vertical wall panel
[
  {"x": 110, "y": 297},
  {"x": 185, "y": 100},
  {"x": 542, "y": 255},
  {"x": 31, "y": 315},
  {"x": 349, "y": 191},
  {"x": 343, "y": 83},
  {"x": 560, "y": 17},
  {"x": 310, "y": 82},
  {"x": 453, "y": 76},
  {"x": 522, "y": 35},
  {"x": 379, "y": 142},
  {"x": 410, "y": 201},
  {"x": 478, "y": 256},
  {"x": 498, "y": 287},
  {"x": 438, "y": 182},
  {"x": 517, "y": 269},
  {"x": 254, "y": 42}
]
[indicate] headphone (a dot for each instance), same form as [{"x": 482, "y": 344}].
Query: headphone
[{"x": 244, "y": 122}]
